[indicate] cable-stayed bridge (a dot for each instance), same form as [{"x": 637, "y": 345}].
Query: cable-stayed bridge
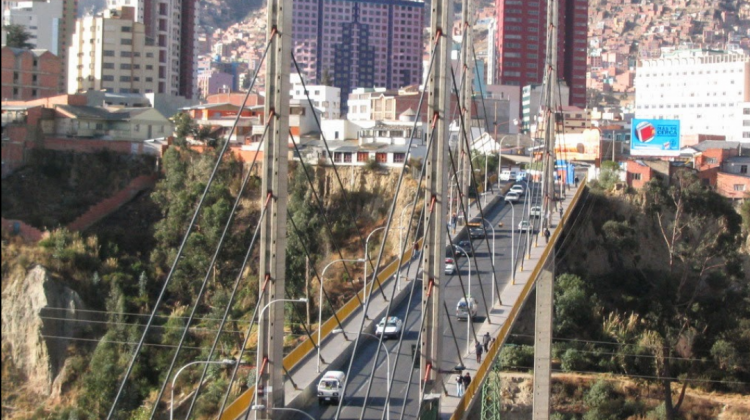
[{"x": 414, "y": 376}]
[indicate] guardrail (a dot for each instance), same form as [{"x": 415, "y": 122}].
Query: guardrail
[
  {"x": 466, "y": 401},
  {"x": 238, "y": 406}
]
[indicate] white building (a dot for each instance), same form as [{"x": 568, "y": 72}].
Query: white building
[
  {"x": 359, "y": 103},
  {"x": 743, "y": 128},
  {"x": 703, "y": 89},
  {"x": 110, "y": 52},
  {"x": 326, "y": 98},
  {"x": 172, "y": 25}
]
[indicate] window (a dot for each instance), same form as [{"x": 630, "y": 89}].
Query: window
[
  {"x": 108, "y": 53},
  {"x": 108, "y": 65},
  {"x": 126, "y": 29},
  {"x": 125, "y": 66},
  {"x": 108, "y": 78},
  {"x": 363, "y": 156},
  {"x": 399, "y": 157},
  {"x": 381, "y": 157},
  {"x": 739, "y": 187},
  {"x": 347, "y": 157},
  {"x": 710, "y": 160},
  {"x": 125, "y": 54},
  {"x": 743, "y": 169},
  {"x": 635, "y": 177},
  {"x": 124, "y": 78}
]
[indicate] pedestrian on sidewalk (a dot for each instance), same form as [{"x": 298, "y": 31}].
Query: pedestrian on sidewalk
[
  {"x": 467, "y": 381},
  {"x": 577, "y": 181},
  {"x": 486, "y": 342},
  {"x": 546, "y": 235},
  {"x": 561, "y": 212},
  {"x": 478, "y": 350},
  {"x": 459, "y": 385}
]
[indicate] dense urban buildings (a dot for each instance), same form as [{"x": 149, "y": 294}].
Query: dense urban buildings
[
  {"x": 48, "y": 22},
  {"x": 172, "y": 25},
  {"x": 520, "y": 44},
  {"x": 705, "y": 90},
  {"x": 110, "y": 52},
  {"x": 359, "y": 43},
  {"x": 29, "y": 74}
]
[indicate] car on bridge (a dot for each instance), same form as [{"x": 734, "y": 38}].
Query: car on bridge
[
  {"x": 512, "y": 197},
  {"x": 390, "y": 327},
  {"x": 524, "y": 226},
  {"x": 466, "y": 246},
  {"x": 450, "y": 266},
  {"x": 466, "y": 309},
  {"x": 476, "y": 233},
  {"x": 536, "y": 211},
  {"x": 518, "y": 189},
  {"x": 330, "y": 387}
]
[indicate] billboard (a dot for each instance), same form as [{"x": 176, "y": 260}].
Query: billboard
[
  {"x": 655, "y": 137},
  {"x": 578, "y": 146}
]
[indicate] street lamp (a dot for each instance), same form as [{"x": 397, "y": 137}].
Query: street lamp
[
  {"x": 512, "y": 241},
  {"x": 367, "y": 257},
  {"x": 320, "y": 300},
  {"x": 174, "y": 380},
  {"x": 263, "y": 407},
  {"x": 469, "y": 319},
  {"x": 260, "y": 325},
  {"x": 387, "y": 359},
  {"x": 493, "y": 258}
]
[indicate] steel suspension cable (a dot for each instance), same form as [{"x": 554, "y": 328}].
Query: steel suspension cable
[
  {"x": 232, "y": 296},
  {"x": 380, "y": 254},
  {"x": 172, "y": 270},
  {"x": 198, "y": 298},
  {"x": 322, "y": 212},
  {"x": 335, "y": 171},
  {"x": 477, "y": 201}
]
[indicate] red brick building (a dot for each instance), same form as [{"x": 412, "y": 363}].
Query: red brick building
[
  {"x": 29, "y": 74},
  {"x": 639, "y": 172}
]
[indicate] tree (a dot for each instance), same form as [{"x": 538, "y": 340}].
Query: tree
[
  {"x": 17, "y": 37},
  {"x": 609, "y": 175},
  {"x": 326, "y": 79}
]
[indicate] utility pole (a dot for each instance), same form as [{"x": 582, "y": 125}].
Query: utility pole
[{"x": 273, "y": 241}]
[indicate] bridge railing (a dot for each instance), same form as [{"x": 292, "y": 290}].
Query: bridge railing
[{"x": 475, "y": 387}]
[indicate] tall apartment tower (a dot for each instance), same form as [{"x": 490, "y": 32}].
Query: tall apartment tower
[
  {"x": 172, "y": 25},
  {"x": 359, "y": 43},
  {"x": 49, "y": 22},
  {"x": 110, "y": 52},
  {"x": 521, "y": 39}
]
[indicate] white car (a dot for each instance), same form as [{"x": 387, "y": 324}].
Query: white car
[
  {"x": 518, "y": 188},
  {"x": 466, "y": 309},
  {"x": 512, "y": 197},
  {"x": 536, "y": 211},
  {"x": 450, "y": 266},
  {"x": 524, "y": 225},
  {"x": 390, "y": 327}
]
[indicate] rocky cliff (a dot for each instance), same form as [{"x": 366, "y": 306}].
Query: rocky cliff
[{"x": 38, "y": 314}]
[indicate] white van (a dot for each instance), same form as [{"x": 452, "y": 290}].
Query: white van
[
  {"x": 330, "y": 387},
  {"x": 464, "y": 310},
  {"x": 507, "y": 175}
]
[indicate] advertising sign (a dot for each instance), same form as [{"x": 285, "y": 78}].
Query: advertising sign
[
  {"x": 655, "y": 138},
  {"x": 578, "y": 146}
]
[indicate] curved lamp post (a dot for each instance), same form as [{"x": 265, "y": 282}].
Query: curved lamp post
[
  {"x": 469, "y": 319},
  {"x": 320, "y": 300},
  {"x": 174, "y": 380},
  {"x": 367, "y": 241},
  {"x": 260, "y": 353}
]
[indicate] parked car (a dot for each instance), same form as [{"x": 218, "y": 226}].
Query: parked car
[
  {"x": 512, "y": 197},
  {"x": 466, "y": 308},
  {"x": 390, "y": 327},
  {"x": 536, "y": 211},
  {"x": 524, "y": 225},
  {"x": 450, "y": 266},
  {"x": 329, "y": 387}
]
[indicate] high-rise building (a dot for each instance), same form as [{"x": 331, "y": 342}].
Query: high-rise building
[
  {"x": 359, "y": 43},
  {"x": 49, "y": 22},
  {"x": 703, "y": 89},
  {"x": 172, "y": 24},
  {"x": 110, "y": 52},
  {"x": 521, "y": 39}
]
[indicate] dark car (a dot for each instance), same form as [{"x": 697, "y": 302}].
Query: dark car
[
  {"x": 466, "y": 246},
  {"x": 476, "y": 233}
]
